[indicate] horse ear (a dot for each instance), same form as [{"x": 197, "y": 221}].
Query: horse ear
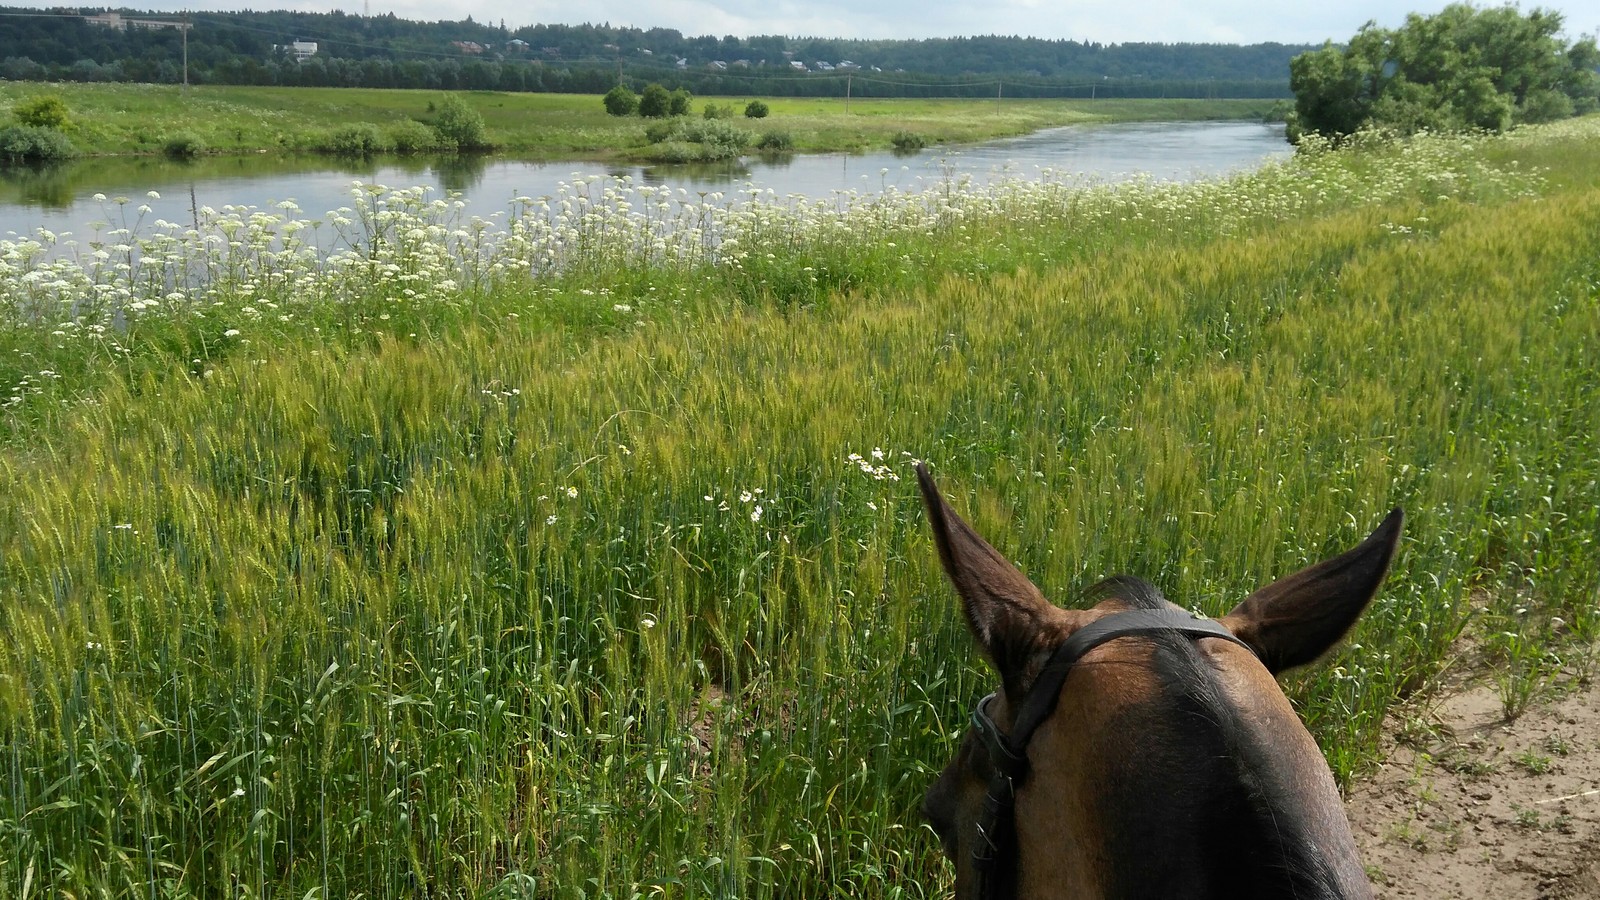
[
  {"x": 1294, "y": 620},
  {"x": 1005, "y": 612}
]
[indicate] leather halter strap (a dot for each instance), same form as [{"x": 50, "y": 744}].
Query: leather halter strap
[{"x": 1008, "y": 753}]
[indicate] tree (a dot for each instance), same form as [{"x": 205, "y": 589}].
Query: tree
[
  {"x": 1460, "y": 69},
  {"x": 1332, "y": 93},
  {"x": 755, "y": 109},
  {"x": 655, "y": 102},
  {"x": 460, "y": 126},
  {"x": 679, "y": 102},
  {"x": 621, "y": 101}
]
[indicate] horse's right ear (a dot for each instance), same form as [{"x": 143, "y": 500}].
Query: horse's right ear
[
  {"x": 1005, "y": 612},
  {"x": 1294, "y": 620}
]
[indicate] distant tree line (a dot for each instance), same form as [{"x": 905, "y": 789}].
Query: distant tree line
[
  {"x": 1464, "y": 68},
  {"x": 386, "y": 51}
]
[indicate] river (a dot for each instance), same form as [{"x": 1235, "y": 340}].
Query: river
[{"x": 62, "y": 198}]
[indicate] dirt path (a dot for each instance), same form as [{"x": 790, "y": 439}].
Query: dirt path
[{"x": 1470, "y": 806}]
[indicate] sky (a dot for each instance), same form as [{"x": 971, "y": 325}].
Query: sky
[{"x": 1219, "y": 21}]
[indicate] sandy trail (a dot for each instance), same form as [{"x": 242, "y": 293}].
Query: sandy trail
[{"x": 1471, "y": 806}]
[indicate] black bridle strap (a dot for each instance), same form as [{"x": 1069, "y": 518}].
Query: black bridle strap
[
  {"x": 1008, "y": 753},
  {"x": 1046, "y": 690}
]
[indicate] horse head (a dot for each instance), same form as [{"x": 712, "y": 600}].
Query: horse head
[{"x": 1134, "y": 750}]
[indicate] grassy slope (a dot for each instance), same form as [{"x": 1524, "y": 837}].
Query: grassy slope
[
  {"x": 113, "y": 118},
  {"x": 496, "y": 606}
]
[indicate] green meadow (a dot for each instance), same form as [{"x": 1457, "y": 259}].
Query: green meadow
[
  {"x": 143, "y": 118},
  {"x": 576, "y": 554}
]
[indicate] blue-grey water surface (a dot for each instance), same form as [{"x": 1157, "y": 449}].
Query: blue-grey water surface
[{"x": 61, "y": 198}]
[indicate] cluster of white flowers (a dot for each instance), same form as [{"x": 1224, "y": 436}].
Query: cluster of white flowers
[
  {"x": 241, "y": 265},
  {"x": 753, "y": 498},
  {"x": 29, "y": 384},
  {"x": 876, "y": 464}
]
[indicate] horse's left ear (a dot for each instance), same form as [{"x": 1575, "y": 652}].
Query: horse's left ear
[
  {"x": 1294, "y": 620},
  {"x": 1005, "y": 612}
]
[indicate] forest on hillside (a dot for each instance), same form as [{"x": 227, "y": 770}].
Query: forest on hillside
[{"x": 387, "y": 51}]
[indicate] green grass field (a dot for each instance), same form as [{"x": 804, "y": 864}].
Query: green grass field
[
  {"x": 579, "y": 558},
  {"x": 119, "y": 118}
]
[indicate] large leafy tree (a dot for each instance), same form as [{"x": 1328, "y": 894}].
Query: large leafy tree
[
  {"x": 621, "y": 101},
  {"x": 1462, "y": 68},
  {"x": 655, "y": 102}
]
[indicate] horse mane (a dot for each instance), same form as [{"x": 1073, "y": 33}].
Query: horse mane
[{"x": 1224, "y": 782}]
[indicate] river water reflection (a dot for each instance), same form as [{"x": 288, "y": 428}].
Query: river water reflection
[{"x": 61, "y": 198}]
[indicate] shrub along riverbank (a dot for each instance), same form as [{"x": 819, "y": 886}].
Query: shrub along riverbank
[
  {"x": 121, "y": 119},
  {"x": 576, "y": 555}
]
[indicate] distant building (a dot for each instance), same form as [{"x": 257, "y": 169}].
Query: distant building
[
  {"x": 517, "y": 45},
  {"x": 719, "y": 65},
  {"x": 797, "y": 65},
  {"x": 300, "y": 50},
  {"x": 472, "y": 47},
  {"x": 117, "y": 22}
]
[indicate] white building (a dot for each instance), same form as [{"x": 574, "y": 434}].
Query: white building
[{"x": 300, "y": 50}]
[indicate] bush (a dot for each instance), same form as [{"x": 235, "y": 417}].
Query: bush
[
  {"x": 655, "y": 102},
  {"x": 1546, "y": 106},
  {"x": 775, "y": 141},
  {"x": 183, "y": 145},
  {"x": 690, "y": 140},
  {"x": 908, "y": 140},
  {"x": 718, "y": 132},
  {"x": 357, "y": 139},
  {"x": 621, "y": 101},
  {"x": 30, "y": 142},
  {"x": 459, "y": 126},
  {"x": 678, "y": 152},
  {"x": 713, "y": 111},
  {"x": 48, "y": 111},
  {"x": 755, "y": 109},
  {"x": 679, "y": 102},
  {"x": 412, "y": 136}
]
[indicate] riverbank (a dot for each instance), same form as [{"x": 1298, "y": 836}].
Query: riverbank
[{"x": 123, "y": 119}]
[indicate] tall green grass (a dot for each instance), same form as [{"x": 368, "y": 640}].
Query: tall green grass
[{"x": 604, "y": 581}]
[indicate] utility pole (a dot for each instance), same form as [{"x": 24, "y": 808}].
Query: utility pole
[
  {"x": 847, "y": 80},
  {"x": 999, "y": 86},
  {"x": 183, "y": 27}
]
